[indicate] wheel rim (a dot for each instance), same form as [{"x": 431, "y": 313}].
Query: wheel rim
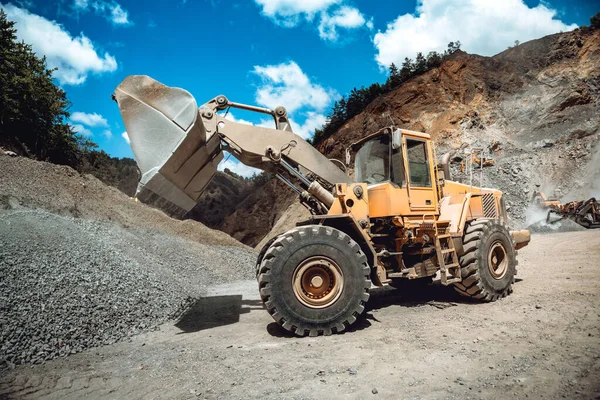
[
  {"x": 318, "y": 282},
  {"x": 498, "y": 260}
]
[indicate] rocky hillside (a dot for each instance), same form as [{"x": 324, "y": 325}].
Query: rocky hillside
[{"x": 534, "y": 107}]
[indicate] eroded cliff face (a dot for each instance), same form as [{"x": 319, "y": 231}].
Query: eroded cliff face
[{"x": 534, "y": 107}]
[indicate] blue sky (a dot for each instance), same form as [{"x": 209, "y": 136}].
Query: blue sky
[{"x": 303, "y": 54}]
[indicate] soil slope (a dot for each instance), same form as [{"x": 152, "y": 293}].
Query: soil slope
[
  {"x": 25, "y": 183},
  {"x": 534, "y": 108}
]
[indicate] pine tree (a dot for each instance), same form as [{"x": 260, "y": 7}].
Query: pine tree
[
  {"x": 595, "y": 21},
  {"x": 420, "y": 64},
  {"x": 408, "y": 70},
  {"x": 434, "y": 60},
  {"x": 394, "y": 78},
  {"x": 33, "y": 110}
]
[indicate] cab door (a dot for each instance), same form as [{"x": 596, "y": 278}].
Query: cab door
[{"x": 417, "y": 161}]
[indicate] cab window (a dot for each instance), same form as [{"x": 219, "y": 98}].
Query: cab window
[
  {"x": 372, "y": 162},
  {"x": 418, "y": 166}
]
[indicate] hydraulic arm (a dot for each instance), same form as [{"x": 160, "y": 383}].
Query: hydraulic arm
[{"x": 178, "y": 146}]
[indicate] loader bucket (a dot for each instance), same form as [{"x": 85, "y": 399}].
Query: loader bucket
[{"x": 176, "y": 157}]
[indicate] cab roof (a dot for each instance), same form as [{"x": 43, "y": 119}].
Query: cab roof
[{"x": 388, "y": 131}]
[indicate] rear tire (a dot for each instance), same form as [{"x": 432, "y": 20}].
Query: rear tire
[
  {"x": 314, "y": 280},
  {"x": 488, "y": 261}
]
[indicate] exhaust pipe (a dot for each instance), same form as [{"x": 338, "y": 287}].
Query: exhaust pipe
[{"x": 445, "y": 164}]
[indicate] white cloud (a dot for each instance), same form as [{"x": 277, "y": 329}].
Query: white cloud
[
  {"x": 237, "y": 167},
  {"x": 267, "y": 123},
  {"x": 344, "y": 17},
  {"x": 125, "y": 136},
  {"x": 75, "y": 57},
  {"x": 290, "y": 12},
  {"x": 286, "y": 85},
  {"x": 313, "y": 121},
  {"x": 483, "y": 27},
  {"x": 89, "y": 119},
  {"x": 82, "y": 130},
  {"x": 230, "y": 117},
  {"x": 306, "y": 130},
  {"x": 331, "y": 15},
  {"x": 107, "y": 134},
  {"x": 111, "y": 10}
]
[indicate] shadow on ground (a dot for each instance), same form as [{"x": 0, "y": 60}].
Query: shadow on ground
[
  {"x": 433, "y": 295},
  {"x": 211, "y": 312}
]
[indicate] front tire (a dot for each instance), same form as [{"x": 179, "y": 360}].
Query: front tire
[
  {"x": 314, "y": 280},
  {"x": 488, "y": 261}
]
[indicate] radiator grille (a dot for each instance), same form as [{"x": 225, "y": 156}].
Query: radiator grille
[{"x": 489, "y": 206}]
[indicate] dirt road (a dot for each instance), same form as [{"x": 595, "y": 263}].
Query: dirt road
[{"x": 543, "y": 341}]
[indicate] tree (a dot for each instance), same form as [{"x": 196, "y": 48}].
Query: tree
[
  {"x": 32, "y": 108},
  {"x": 420, "y": 64},
  {"x": 453, "y": 47},
  {"x": 345, "y": 109},
  {"x": 595, "y": 21},
  {"x": 434, "y": 60},
  {"x": 394, "y": 78},
  {"x": 355, "y": 102},
  {"x": 408, "y": 69}
]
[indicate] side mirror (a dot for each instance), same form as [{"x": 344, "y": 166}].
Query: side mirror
[
  {"x": 396, "y": 139},
  {"x": 348, "y": 157}
]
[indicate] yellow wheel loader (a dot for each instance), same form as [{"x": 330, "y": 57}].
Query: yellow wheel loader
[{"x": 400, "y": 219}]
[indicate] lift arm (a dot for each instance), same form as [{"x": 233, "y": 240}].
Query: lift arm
[{"x": 178, "y": 146}]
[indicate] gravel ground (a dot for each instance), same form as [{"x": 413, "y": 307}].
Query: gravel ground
[
  {"x": 68, "y": 284},
  {"x": 541, "y": 342}
]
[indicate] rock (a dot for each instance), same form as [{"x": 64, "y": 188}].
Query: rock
[
  {"x": 374, "y": 391},
  {"x": 495, "y": 146}
]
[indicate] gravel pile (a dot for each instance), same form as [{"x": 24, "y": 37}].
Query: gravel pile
[
  {"x": 565, "y": 225},
  {"x": 62, "y": 190},
  {"x": 69, "y": 284}
]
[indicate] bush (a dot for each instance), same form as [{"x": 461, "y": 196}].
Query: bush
[
  {"x": 346, "y": 108},
  {"x": 32, "y": 108},
  {"x": 595, "y": 21}
]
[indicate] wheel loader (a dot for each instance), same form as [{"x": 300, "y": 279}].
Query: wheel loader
[{"x": 399, "y": 220}]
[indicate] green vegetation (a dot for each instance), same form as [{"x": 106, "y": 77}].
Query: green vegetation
[
  {"x": 32, "y": 108},
  {"x": 595, "y": 21},
  {"x": 34, "y": 114},
  {"x": 255, "y": 181},
  {"x": 346, "y": 108}
]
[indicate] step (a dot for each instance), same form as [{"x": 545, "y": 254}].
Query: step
[
  {"x": 448, "y": 251},
  {"x": 444, "y": 236}
]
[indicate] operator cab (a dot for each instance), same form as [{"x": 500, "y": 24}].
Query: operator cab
[{"x": 397, "y": 166}]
